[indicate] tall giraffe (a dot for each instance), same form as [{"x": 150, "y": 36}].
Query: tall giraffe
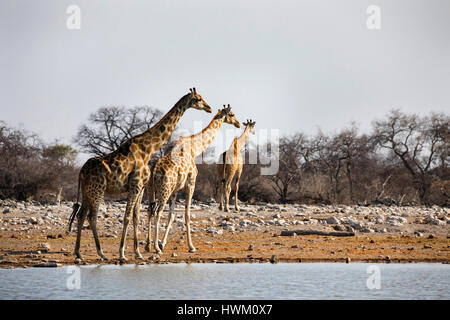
[
  {"x": 126, "y": 170},
  {"x": 232, "y": 165},
  {"x": 177, "y": 170}
]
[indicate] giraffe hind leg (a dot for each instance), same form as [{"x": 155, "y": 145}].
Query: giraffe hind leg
[
  {"x": 173, "y": 197},
  {"x": 92, "y": 217},
  {"x": 81, "y": 216}
]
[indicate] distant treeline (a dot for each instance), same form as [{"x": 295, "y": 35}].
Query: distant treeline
[{"x": 404, "y": 160}]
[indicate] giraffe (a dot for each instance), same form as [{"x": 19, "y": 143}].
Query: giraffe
[
  {"x": 232, "y": 165},
  {"x": 126, "y": 170},
  {"x": 177, "y": 170}
]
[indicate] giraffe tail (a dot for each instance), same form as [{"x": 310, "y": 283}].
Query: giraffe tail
[
  {"x": 76, "y": 206},
  {"x": 224, "y": 168}
]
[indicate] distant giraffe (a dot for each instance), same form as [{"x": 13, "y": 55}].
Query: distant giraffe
[
  {"x": 232, "y": 165},
  {"x": 177, "y": 170},
  {"x": 126, "y": 170}
]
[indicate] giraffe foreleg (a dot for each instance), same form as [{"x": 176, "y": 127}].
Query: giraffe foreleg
[
  {"x": 227, "y": 192},
  {"x": 221, "y": 189},
  {"x": 236, "y": 189},
  {"x": 136, "y": 217},
  {"x": 189, "y": 190},
  {"x": 133, "y": 196}
]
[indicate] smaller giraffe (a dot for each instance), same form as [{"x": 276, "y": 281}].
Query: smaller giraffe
[
  {"x": 177, "y": 170},
  {"x": 231, "y": 166}
]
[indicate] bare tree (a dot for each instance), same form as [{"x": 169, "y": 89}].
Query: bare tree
[
  {"x": 292, "y": 157},
  {"x": 109, "y": 127},
  {"x": 418, "y": 143},
  {"x": 351, "y": 148}
]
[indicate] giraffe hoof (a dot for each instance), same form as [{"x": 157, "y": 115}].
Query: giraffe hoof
[
  {"x": 192, "y": 250},
  {"x": 139, "y": 257},
  {"x": 104, "y": 258},
  {"x": 122, "y": 259}
]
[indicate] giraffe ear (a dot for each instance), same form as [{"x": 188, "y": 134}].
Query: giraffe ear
[{"x": 195, "y": 91}]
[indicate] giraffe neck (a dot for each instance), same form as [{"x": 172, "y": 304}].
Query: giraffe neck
[
  {"x": 200, "y": 141},
  {"x": 151, "y": 140},
  {"x": 240, "y": 142}
]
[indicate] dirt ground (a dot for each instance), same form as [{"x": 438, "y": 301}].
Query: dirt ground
[{"x": 253, "y": 235}]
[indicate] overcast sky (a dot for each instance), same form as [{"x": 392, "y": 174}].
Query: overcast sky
[{"x": 289, "y": 65}]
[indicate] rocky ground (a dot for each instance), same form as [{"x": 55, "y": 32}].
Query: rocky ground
[{"x": 36, "y": 235}]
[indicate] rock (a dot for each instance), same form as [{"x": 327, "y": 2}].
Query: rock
[
  {"x": 348, "y": 260},
  {"x": 50, "y": 264},
  {"x": 174, "y": 255},
  {"x": 44, "y": 245},
  {"x": 251, "y": 247},
  {"x": 33, "y": 220},
  {"x": 427, "y": 246},
  {"x": 367, "y": 230},
  {"x": 396, "y": 221},
  {"x": 437, "y": 222},
  {"x": 379, "y": 219},
  {"x": 339, "y": 228},
  {"x": 7, "y": 210},
  {"x": 276, "y": 216},
  {"x": 333, "y": 220},
  {"x": 350, "y": 229},
  {"x": 154, "y": 257}
]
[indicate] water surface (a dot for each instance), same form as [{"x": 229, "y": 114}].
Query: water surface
[{"x": 230, "y": 281}]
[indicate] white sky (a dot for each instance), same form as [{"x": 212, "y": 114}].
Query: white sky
[{"x": 289, "y": 65}]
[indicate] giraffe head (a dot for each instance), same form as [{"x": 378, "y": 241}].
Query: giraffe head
[
  {"x": 197, "y": 102},
  {"x": 251, "y": 125},
  {"x": 228, "y": 116}
]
